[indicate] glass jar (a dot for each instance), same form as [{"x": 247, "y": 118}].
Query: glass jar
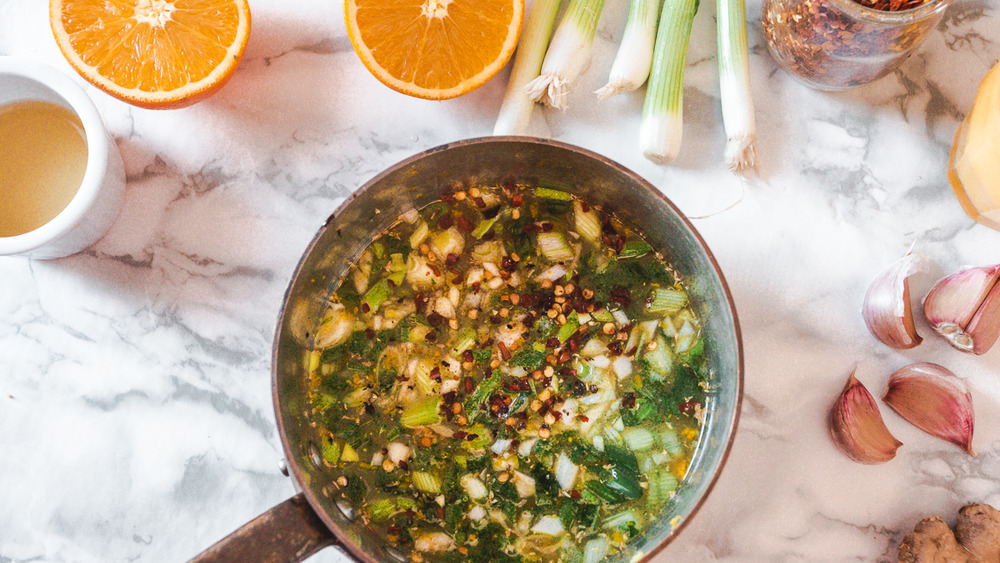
[{"x": 839, "y": 44}]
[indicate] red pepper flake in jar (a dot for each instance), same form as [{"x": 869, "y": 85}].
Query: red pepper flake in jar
[{"x": 838, "y": 44}]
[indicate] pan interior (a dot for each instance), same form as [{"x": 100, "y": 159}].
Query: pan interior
[{"x": 420, "y": 181}]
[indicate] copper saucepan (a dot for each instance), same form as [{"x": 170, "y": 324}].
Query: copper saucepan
[{"x": 312, "y": 520}]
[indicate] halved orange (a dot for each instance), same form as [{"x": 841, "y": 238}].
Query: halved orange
[
  {"x": 153, "y": 53},
  {"x": 434, "y": 49}
]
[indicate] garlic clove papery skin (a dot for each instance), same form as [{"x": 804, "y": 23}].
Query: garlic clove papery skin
[
  {"x": 964, "y": 308},
  {"x": 857, "y": 428},
  {"x": 935, "y": 400},
  {"x": 886, "y": 309}
]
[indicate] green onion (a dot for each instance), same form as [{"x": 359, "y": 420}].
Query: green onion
[
  {"x": 638, "y": 439},
  {"x": 569, "y": 53},
  {"x": 549, "y": 193},
  {"x": 447, "y": 242},
  {"x": 383, "y": 508},
  {"x": 660, "y": 358},
  {"x": 473, "y": 486},
  {"x": 422, "y": 376},
  {"x": 421, "y": 413},
  {"x": 348, "y": 454},
  {"x": 662, "y": 484},
  {"x": 377, "y": 294},
  {"x": 635, "y": 53},
  {"x": 515, "y": 111},
  {"x": 734, "y": 85},
  {"x": 481, "y": 437},
  {"x": 621, "y": 519},
  {"x": 596, "y": 550},
  {"x": 362, "y": 270},
  {"x": 588, "y": 224},
  {"x": 483, "y": 227},
  {"x": 603, "y": 492},
  {"x": 331, "y": 451},
  {"x": 671, "y": 442},
  {"x": 485, "y": 388},
  {"x": 662, "y": 120},
  {"x": 625, "y": 482},
  {"x": 464, "y": 341},
  {"x": 419, "y": 234},
  {"x": 568, "y": 328},
  {"x": 554, "y": 246},
  {"x": 426, "y": 482},
  {"x": 397, "y": 267},
  {"x": 662, "y": 300},
  {"x": 634, "y": 249}
]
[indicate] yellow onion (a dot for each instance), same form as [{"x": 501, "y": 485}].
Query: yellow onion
[{"x": 974, "y": 166}]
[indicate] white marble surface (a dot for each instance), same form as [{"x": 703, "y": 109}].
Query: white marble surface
[{"x": 135, "y": 408}]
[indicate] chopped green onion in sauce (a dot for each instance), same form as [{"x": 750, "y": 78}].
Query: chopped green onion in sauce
[{"x": 509, "y": 375}]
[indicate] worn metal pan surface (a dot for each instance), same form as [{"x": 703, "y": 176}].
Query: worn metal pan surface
[{"x": 312, "y": 520}]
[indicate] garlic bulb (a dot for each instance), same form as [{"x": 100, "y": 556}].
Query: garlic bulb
[
  {"x": 974, "y": 166},
  {"x": 934, "y": 400},
  {"x": 886, "y": 308},
  {"x": 857, "y": 428},
  {"x": 964, "y": 308}
]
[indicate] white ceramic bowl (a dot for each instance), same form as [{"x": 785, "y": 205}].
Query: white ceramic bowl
[{"x": 97, "y": 202}]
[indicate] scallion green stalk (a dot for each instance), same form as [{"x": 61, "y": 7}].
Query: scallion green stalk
[
  {"x": 671, "y": 442},
  {"x": 550, "y": 193},
  {"x": 569, "y": 53},
  {"x": 377, "y": 294},
  {"x": 554, "y": 246},
  {"x": 421, "y": 413},
  {"x": 331, "y": 451},
  {"x": 515, "y": 111},
  {"x": 664, "y": 300},
  {"x": 662, "y": 117},
  {"x": 587, "y": 222},
  {"x": 734, "y": 85},
  {"x": 635, "y": 52},
  {"x": 483, "y": 227},
  {"x": 383, "y": 508},
  {"x": 464, "y": 341},
  {"x": 419, "y": 234},
  {"x": 638, "y": 439},
  {"x": 426, "y": 482}
]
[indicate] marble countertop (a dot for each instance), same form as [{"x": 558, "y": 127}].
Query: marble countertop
[{"x": 135, "y": 410}]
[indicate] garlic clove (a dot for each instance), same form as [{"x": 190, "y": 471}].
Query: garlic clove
[
  {"x": 886, "y": 308},
  {"x": 964, "y": 308},
  {"x": 935, "y": 400},
  {"x": 857, "y": 428}
]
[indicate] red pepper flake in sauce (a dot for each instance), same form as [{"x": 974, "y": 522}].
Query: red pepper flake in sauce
[
  {"x": 464, "y": 224},
  {"x": 445, "y": 222},
  {"x": 689, "y": 406},
  {"x": 504, "y": 353}
]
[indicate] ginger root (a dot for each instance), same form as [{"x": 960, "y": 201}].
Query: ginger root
[
  {"x": 932, "y": 541},
  {"x": 976, "y": 538},
  {"x": 978, "y": 530}
]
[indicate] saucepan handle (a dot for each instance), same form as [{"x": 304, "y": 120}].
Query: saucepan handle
[{"x": 290, "y": 531}]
